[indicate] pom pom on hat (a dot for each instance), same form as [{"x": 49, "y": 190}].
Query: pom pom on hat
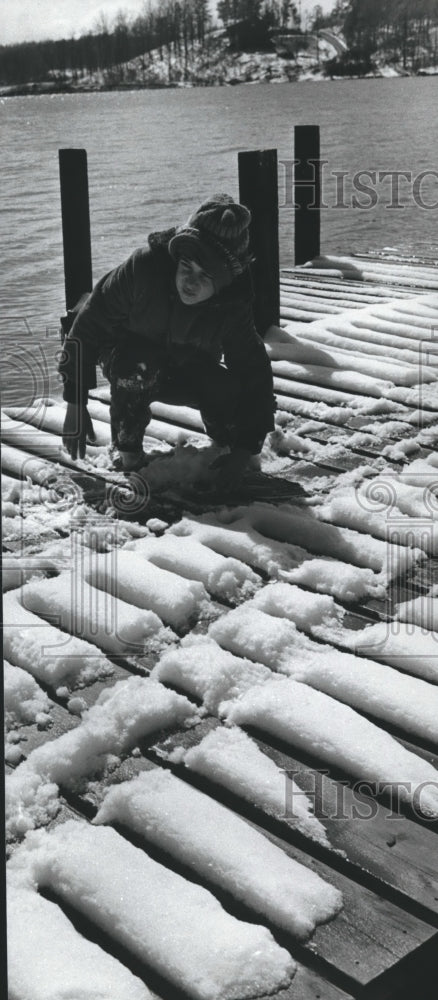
[
  {"x": 218, "y": 234},
  {"x": 226, "y": 221}
]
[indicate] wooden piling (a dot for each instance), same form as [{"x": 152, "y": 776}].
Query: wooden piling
[
  {"x": 307, "y": 193},
  {"x": 258, "y": 190},
  {"x": 75, "y": 224}
]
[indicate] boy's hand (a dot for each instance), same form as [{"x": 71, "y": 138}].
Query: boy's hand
[
  {"x": 229, "y": 468},
  {"x": 78, "y": 428}
]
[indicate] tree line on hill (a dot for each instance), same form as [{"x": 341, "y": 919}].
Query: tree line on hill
[{"x": 403, "y": 31}]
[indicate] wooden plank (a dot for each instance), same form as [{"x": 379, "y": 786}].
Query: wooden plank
[
  {"x": 363, "y": 943},
  {"x": 309, "y": 985},
  {"x": 392, "y": 855}
]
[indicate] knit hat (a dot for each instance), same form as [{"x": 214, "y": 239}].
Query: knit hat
[{"x": 217, "y": 237}]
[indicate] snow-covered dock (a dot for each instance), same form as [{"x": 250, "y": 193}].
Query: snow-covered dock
[{"x": 222, "y": 711}]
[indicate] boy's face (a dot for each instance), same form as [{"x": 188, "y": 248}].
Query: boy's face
[{"x": 192, "y": 282}]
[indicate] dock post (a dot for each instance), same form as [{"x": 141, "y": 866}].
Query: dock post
[
  {"x": 75, "y": 210},
  {"x": 258, "y": 190},
  {"x": 307, "y": 193}
]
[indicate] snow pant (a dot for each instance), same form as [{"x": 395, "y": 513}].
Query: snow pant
[{"x": 138, "y": 377}]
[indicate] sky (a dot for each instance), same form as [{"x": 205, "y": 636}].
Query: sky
[{"x": 34, "y": 20}]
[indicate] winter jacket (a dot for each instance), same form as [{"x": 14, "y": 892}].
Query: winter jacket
[{"x": 138, "y": 301}]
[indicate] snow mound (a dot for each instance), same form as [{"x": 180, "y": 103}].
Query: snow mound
[
  {"x": 168, "y": 923},
  {"x": 46, "y": 652},
  {"x": 40, "y": 969},
  {"x": 95, "y": 615},
  {"x": 335, "y": 733},
  {"x": 123, "y": 714},
  {"x": 200, "y": 667},
  {"x": 226, "y": 578},
  {"x": 133, "y": 579},
  {"x": 281, "y": 559},
  {"x": 216, "y": 843},
  {"x": 24, "y": 700},
  {"x": 233, "y": 760}
]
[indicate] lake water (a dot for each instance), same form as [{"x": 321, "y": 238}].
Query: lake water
[{"x": 154, "y": 155}]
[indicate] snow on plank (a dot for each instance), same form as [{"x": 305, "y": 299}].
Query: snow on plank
[
  {"x": 165, "y": 431},
  {"x": 219, "y": 846},
  {"x": 39, "y": 442},
  {"x": 16, "y": 570},
  {"x": 392, "y": 849},
  {"x": 406, "y": 276},
  {"x": 22, "y": 464},
  {"x": 46, "y": 955},
  {"x": 133, "y": 579},
  {"x": 233, "y": 688},
  {"x": 406, "y": 702},
  {"x": 50, "y": 418},
  {"x": 294, "y": 525},
  {"x": 281, "y": 559},
  {"x": 421, "y": 611},
  {"x": 335, "y": 733},
  {"x": 122, "y": 716},
  {"x": 352, "y": 509},
  {"x": 407, "y": 647},
  {"x": 177, "y": 928},
  {"x": 45, "y": 651},
  {"x": 314, "y": 282},
  {"x": 95, "y": 615},
  {"x": 226, "y": 578},
  {"x": 24, "y": 701},
  {"x": 341, "y": 367},
  {"x": 230, "y": 758},
  {"x": 350, "y": 336},
  {"x": 353, "y": 953}
]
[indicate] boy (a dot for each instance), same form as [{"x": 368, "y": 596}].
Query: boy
[{"x": 159, "y": 325}]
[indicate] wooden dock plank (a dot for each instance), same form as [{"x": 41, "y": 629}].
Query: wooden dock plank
[
  {"x": 385, "y": 867},
  {"x": 395, "y": 853},
  {"x": 364, "y": 942}
]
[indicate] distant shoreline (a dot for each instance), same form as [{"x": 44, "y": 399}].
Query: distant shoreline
[{"x": 39, "y": 89}]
